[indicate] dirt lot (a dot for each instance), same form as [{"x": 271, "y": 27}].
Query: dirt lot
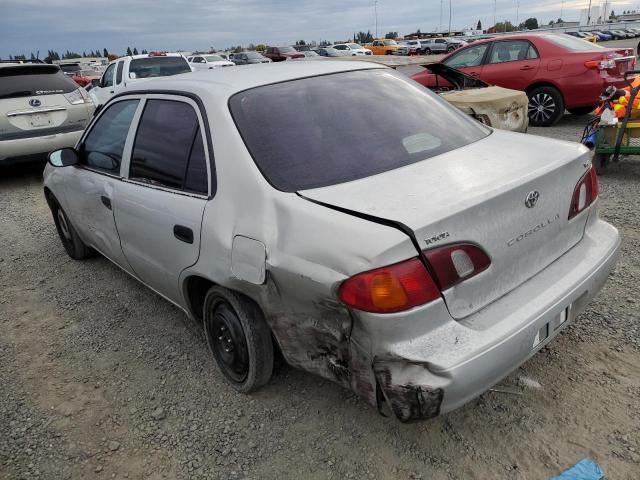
[{"x": 101, "y": 378}]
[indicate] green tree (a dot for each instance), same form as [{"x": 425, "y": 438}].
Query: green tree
[
  {"x": 612, "y": 15},
  {"x": 504, "y": 27},
  {"x": 144, "y": 52},
  {"x": 362, "y": 37},
  {"x": 530, "y": 23},
  {"x": 479, "y": 26},
  {"x": 105, "y": 53},
  {"x": 129, "y": 52},
  {"x": 391, "y": 35},
  {"x": 300, "y": 42}
]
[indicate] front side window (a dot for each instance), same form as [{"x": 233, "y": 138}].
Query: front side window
[
  {"x": 168, "y": 150},
  {"x": 468, "y": 57},
  {"x": 119, "y": 73},
  {"x": 317, "y": 131},
  {"x": 107, "y": 79},
  {"x": 340, "y": 47},
  {"x": 512, "y": 51},
  {"x": 104, "y": 145}
]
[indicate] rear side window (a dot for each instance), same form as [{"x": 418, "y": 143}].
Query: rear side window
[
  {"x": 103, "y": 147},
  {"x": 168, "y": 149},
  {"x": 320, "y": 131},
  {"x": 158, "y": 67},
  {"x": 30, "y": 81}
]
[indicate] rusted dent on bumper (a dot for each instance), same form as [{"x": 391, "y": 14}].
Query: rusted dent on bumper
[{"x": 407, "y": 401}]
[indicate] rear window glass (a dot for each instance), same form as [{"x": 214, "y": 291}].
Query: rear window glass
[
  {"x": 158, "y": 67},
  {"x": 573, "y": 43},
  {"x": 331, "y": 129},
  {"x": 30, "y": 81}
]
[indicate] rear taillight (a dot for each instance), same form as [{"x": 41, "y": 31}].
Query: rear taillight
[
  {"x": 455, "y": 263},
  {"x": 408, "y": 284},
  {"x": 608, "y": 64},
  {"x": 390, "y": 289},
  {"x": 585, "y": 193}
]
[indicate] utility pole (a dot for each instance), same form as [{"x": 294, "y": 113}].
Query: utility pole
[
  {"x": 375, "y": 10},
  {"x": 440, "y": 26},
  {"x": 517, "y": 13},
  {"x": 589, "y": 14},
  {"x": 449, "y": 17},
  {"x": 562, "y": 9},
  {"x": 494, "y": 14}
]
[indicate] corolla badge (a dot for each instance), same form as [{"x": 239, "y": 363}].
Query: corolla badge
[
  {"x": 531, "y": 199},
  {"x": 34, "y": 102}
]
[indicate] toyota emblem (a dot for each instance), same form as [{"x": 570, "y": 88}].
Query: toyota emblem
[
  {"x": 34, "y": 102},
  {"x": 531, "y": 199}
]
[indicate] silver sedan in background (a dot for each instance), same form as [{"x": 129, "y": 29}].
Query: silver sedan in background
[{"x": 345, "y": 216}]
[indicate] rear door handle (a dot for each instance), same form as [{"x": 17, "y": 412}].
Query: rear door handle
[
  {"x": 106, "y": 201},
  {"x": 182, "y": 233}
]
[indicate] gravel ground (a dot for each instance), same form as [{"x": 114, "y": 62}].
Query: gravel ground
[{"x": 101, "y": 378}]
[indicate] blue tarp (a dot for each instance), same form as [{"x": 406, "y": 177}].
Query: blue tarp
[{"x": 583, "y": 470}]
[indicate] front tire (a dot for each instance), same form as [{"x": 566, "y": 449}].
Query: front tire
[
  {"x": 69, "y": 237},
  {"x": 239, "y": 339},
  {"x": 546, "y": 106}
]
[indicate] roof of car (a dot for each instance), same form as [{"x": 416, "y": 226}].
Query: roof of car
[{"x": 228, "y": 81}]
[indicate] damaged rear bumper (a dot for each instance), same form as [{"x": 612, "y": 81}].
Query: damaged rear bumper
[{"x": 423, "y": 364}]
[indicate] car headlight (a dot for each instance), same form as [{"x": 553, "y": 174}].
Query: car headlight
[{"x": 77, "y": 97}]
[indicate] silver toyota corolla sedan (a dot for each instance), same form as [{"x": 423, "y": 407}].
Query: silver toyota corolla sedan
[{"x": 345, "y": 216}]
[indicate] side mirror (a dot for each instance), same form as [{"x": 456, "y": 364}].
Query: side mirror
[
  {"x": 64, "y": 157},
  {"x": 95, "y": 82},
  {"x": 132, "y": 75}
]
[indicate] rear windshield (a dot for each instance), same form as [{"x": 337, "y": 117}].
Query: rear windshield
[
  {"x": 214, "y": 58},
  {"x": 30, "y": 81},
  {"x": 286, "y": 49},
  {"x": 573, "y": 43},
  {"x": 158, "y": 67},
  {"x": 253, "y": 55},
  {"x": 70, "y": 68},
  {"x": 331, "y": 129}
]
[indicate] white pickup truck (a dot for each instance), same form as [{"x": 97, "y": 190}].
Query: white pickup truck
[{"x": 127, "y": 70}]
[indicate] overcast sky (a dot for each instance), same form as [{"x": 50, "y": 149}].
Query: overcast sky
[{"x": 31, "y": 25}]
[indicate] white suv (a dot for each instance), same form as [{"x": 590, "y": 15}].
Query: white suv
[
  {"x": 128, "y": 70},
  {"x": 352, "y": 49},
  {"x": 41, "y": 109}
]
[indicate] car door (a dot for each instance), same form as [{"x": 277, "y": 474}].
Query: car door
[
  {"x": 90, "y": 188},
  {"x": 468, "y": 59},
  {"x": 159, "y": 204},
  {"x": 104, "y": 90},
  {"x": 511, "y": 64}
]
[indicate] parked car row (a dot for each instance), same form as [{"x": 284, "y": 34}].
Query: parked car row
[{"x": 556, "y": 71}]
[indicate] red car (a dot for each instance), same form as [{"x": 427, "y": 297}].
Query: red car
[
  {"x": 557, "y": 71},
  {"x": 279, "y": 54}
]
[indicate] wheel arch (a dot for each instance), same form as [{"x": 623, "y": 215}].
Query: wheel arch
[{"x": 544, "y": 83}]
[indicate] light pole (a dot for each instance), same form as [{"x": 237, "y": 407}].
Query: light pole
[
  {"x": 494, "y": 15},
  {"x": 517, "y": 13},
  {"x": 561, "y": 9},
  {"x": 449, "y": 17},
  {"x": 375, "y": 10},
  {"x": 589, "y": 14},
  {"x": 440, "y": 26}
]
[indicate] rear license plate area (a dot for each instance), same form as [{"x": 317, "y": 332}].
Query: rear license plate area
[
  {"x": 543, "y": 333},
  {"x": 40, "y": 119}
]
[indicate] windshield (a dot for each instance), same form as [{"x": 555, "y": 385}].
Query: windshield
[
  {"x": 157, "y": 67},
  {"x": 310, "y": 53},
  {"x": 573, "y": 43},
  {"x": 214, "y": 58},
  {"x": 354, "y": 45},
  {"x": 253, "y": 55},
  {"x": 287, "y": 50},
  {"x": 29, "y": 81},
  {"x": 390, "y": 42},
  {"x": 318, "y": 131}
]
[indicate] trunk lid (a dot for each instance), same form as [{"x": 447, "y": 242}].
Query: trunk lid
[{"x": 477, "y": 194}]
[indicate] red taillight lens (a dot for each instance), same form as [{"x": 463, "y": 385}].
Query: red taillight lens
[
  {"x": 585, "y": 193},
  {"x": 390, "y": 289},
  {"x": 455, "y": 263}
]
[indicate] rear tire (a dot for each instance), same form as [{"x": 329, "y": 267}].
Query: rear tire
[
  {"x": 69, "y": 237},
  {"x": 546, "y": 106},
  {"x": 600, "y": 162},
  {"x": 239, "y": 339},
  {"x": 427, "y": 51},
  {"x": 388, "y": 52},
  {"x": 450, "y": 49},
  {"x": 581, "y": 110}
]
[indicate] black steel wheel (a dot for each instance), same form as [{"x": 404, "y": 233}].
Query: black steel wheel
[
  {"x": 545, "y": 106},
  {"x": 239, "y": 339},
  {"x": 70, "y": 239}
]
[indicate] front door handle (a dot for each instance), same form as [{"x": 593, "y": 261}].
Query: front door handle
[
  {"x": 106, "y": 201},
  {"x": 182, "y": 233}
]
